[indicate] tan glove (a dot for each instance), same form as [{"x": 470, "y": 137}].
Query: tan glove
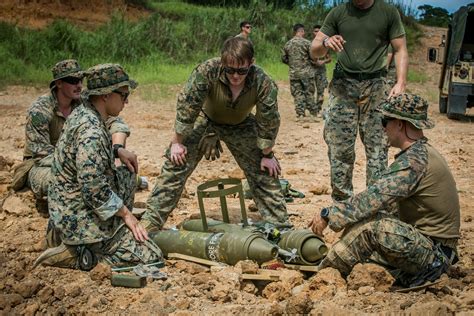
[{"x": 210, "y": 146}]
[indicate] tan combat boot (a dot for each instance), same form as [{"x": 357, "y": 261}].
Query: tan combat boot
[{"x": 61, "y": 256}]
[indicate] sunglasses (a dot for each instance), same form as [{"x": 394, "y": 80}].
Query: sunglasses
[
  {"x": 248, "y": 26},
  {"x": 123, "y": 95},
  {"x": 240, "y": 71},
  {"x": 386, "y": 119},
  {"x": 71, "y": 80}
]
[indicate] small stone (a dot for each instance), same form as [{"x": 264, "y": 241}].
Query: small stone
[
  {"x": 31, "y": 309},
  {"x": 27, "y": 288},
  {"x": 75, "y": 291},
  {"x": 366, "y": 290},
  {"x": 15, "y": 205},
  {"x": 100, "y": 272},
  {"x": 45, "y": 294},
  {"x": 246, "y": 267}
]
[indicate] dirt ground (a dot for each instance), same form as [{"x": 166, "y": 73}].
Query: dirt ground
[{"x": 194, "y": 289}]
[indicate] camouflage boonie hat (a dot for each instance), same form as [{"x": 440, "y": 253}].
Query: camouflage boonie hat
[
  {"x": 408, "y": 107},
  {"x": 105, "y": 78},
  {"x": 66, "y": 68}
]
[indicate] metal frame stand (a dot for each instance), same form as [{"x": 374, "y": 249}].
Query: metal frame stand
[{"x": 221, "y": 193}]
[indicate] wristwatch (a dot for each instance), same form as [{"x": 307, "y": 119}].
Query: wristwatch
[
  {"x": 116, "y": 147},
  {"x": 270, "y": 155},
  {"x": 325, "y": 40},
  {"x": 325, "y": 214}
]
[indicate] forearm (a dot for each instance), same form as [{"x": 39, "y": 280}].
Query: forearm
[
  {"x": 177, "y": 138},
  {"x": 401, "y": 65},
  {"x": 119, "y": 138},
  {"x": 317, "y": 48}
]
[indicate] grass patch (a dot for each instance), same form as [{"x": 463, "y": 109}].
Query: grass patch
[{"x": 416, "y": 77}]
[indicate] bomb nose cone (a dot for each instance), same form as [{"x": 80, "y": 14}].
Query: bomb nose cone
[
  {"x": 262, "y": 251},
  {"x": 313, "y": 249}
]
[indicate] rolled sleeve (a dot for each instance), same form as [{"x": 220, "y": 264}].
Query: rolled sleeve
[
  {"x": 393, "y": 186},
  {"x": 109, "y": 208}
]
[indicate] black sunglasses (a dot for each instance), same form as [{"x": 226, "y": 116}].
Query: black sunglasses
[
  {"x": 248, "y": 26},
  {"x": 72, "y": 80},
  {"x": 240, "y": 71},
  {"x": 386, "y": 119},
  {"x": 123, "y": 95}
]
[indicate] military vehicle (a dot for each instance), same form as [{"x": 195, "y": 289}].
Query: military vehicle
[{"x": 455, "y": 54}]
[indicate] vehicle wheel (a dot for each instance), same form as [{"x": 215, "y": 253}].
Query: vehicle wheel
[{"x": 443, "y": 104}]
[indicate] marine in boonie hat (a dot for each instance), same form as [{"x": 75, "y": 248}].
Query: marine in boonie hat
[
  {"x": 408, "y": 107},
  {"x": 66, "y": 68},
  {"x": 105, "y": 78}
]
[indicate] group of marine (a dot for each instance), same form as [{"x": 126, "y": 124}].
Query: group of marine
[{"x": 407, "y": 219}]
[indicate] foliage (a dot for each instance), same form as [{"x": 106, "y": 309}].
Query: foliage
[
  {"x": 162, "y": 48},
  {"x": 434, "y": 16}
]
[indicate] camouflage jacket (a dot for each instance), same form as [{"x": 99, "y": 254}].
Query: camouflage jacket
[
  {"x": 44, "y": 124},
  {"x": 81, "y": 196},
  {"x": 296, "y": 55},
  {"x": 211, "y": 73},
  {"x": 420, "y": 183}
]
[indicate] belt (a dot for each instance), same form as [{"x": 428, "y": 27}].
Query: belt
[{"x": 360, "y": 76}]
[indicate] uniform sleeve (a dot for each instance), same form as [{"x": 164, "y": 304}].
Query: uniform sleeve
[
  {"x": 92, "y": 162},
  {"x": 116, "y": 124},
  {"x": 37, "y": 133},
  {"x": 191, "y": 99},
  {"x": 397, "y": 183},
  {"x": 396, "y": 28},
  {"x": 268, "y": 118},
  {"x": 330, "y": 23},
  {"x": 284, "y": 55}
]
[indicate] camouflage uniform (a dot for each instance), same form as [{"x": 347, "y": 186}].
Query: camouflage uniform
[
  {"x": 357, "y": 89},
  {"x": 321, "y": 83},
  {"x": 206, "y": 104},
  {"x": 420, "y": 183},
  {"x": 44, "y": 126},
  {"x": 87, "y": 189},
  {"x": 296, "y": 56},
  {"x": 353, "y": 107}
]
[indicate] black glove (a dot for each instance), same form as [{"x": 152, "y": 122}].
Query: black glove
[{"x": 210, "y": 146}]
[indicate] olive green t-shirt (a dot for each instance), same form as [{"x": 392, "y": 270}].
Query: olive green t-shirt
[{"x": 367, "y": 34}]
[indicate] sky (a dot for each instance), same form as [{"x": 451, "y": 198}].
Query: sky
[{"x": 450, "y": 5}]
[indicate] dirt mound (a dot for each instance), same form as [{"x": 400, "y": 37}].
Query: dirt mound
[{"x": 86, "y": 13}]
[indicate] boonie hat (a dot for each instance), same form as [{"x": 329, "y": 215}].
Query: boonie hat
[
  {"x": 66, "y": 68},
  {"x": 105, "y": 78},
  {"x": 408, "y": 107}
]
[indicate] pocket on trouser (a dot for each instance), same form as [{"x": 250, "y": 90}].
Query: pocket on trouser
[
  {"x": 124, "y": 250},
  {"x": 402, "y": 245}
]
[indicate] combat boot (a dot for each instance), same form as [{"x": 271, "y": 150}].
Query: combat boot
[{"x": 61, "y": 256}]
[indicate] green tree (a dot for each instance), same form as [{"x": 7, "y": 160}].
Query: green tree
[{"x": 434, "y": 16}]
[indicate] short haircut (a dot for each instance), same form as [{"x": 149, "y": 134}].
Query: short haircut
[
  {"x": 244, "y": 23},
  {"x": 317, "y": 26},
  {"x": 297, "y": 27},
  {"x": 237, "y": 49}
]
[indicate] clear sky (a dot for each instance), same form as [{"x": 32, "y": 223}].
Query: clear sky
[{"x": 450, "y": 5}]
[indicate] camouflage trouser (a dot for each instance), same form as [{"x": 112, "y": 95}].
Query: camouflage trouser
[
  {"x": 39, "y": 177},
  {"x": 321, "y": 84},
  {"x": 241, "y": 140},
  {"x": 399, "y": 244},
  {"x": 124, "y": 250},
  {"x": 353, "y": 106},
  {"x": 303, "y": 92}
]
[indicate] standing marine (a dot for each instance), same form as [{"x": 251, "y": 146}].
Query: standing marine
[
  {"x": 216, "y": 104},
  {"x": 360, "y": 32},
  {"x": 297, "y": 56}
]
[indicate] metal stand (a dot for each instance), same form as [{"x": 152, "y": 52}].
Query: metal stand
[{"x": 221, "y": 193}]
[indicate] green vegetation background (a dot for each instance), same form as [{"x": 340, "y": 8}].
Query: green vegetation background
[{"x": 162, "y": 48}]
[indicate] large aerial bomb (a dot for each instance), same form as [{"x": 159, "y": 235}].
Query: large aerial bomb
[
  {"x": 309, "y": 247},
  {"x": 226, "y": 247}
]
